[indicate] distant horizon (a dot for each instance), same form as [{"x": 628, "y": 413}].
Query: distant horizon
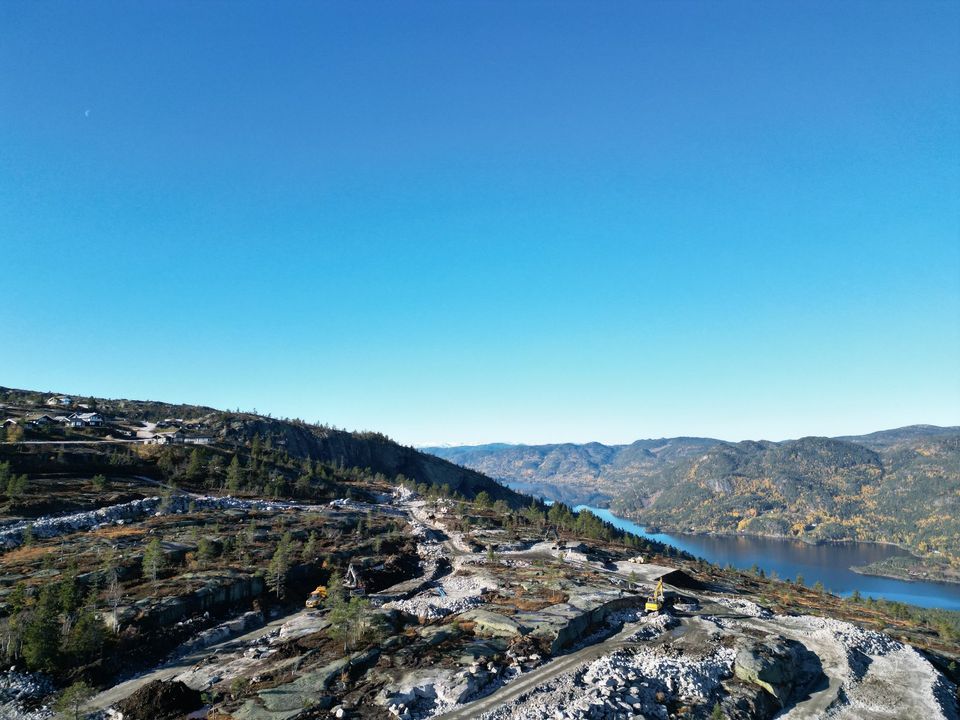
[{"x": 448, "y": 444}]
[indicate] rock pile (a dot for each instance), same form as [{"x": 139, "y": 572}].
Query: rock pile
[
  {"x": 427, "y": 695},
  {"x": 625, "y": 684},
  {"x": 21, "y": 696},
  {"x": 11, "y": 536},
  {"x": 453, "y": 594}
]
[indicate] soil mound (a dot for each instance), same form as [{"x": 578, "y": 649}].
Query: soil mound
[{"x": 160, "y": 701}]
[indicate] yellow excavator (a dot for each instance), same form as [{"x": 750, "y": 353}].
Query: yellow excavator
[
  {"x": 655, "y": 601},
  {"x": 317, "y": 596}
]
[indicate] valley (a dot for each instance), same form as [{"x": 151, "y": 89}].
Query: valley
[{"x": 897, "y": 487}]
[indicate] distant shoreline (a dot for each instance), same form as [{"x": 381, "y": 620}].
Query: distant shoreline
[{"x": 908, "y": 567}]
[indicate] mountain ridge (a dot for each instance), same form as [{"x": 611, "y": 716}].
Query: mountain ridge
[{"x": 900, "y": 485}]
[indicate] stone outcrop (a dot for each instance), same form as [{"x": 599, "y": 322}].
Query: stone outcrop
[{"x": 784, "y": 668}]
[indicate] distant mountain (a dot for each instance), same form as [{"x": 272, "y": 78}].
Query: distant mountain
[
  {"x": 590, "y": 474},
  {"x": 900, "y": 485}
]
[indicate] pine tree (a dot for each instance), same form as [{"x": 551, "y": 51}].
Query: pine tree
[
  {"x": 41, "y": 640},
  {"x": 153, "y": 559},
  {"x": 16, "y": 485},
  {"x": 73, "y": 703},
  {"x": 85, "y": 639},
  {"x": 234, "y": 475},
  {"x": 278, "y": 567},
  {"x": 310, "y": 548},
  {"x": 195, "y": 466}
]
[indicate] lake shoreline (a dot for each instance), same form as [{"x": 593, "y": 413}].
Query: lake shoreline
[
  {"x": 920, "y": 570},
  {"x": 815, "y": 542},
  {"x": 885, "y": 570},
  {"x": 827, "y": 562}
]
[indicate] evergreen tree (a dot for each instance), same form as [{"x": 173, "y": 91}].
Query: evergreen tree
[
  {"x": 279, "y": 566},
  {"x": 153, "y": 559},
  {"x": 235, "y": 475},
  {"x": 206, "y": 551},
  {"x": 16, "y": 485},
  {"x": 196, "y": 469},
  {"x": 41, "y": 639},
  {"x": 310, "y": 548},
  {"x": 72, "y": 704},
  {"x": 85, "y": 639}
]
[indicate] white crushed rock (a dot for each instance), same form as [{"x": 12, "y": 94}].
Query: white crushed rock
[
  {"x": 461, "y": 593},
  {"x": 622, "y": 684},
  {"x": 744, "y": 607},
  {"x": 53, "y": 526},
  {"x": 877, "y": 676},
  {"x": 21, "y": 695}
]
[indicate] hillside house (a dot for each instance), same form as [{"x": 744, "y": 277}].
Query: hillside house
[
  {"x": 179, "y": 437},
  {"x": 87, "y": 419},
  {"x": 60, "y": 401}
]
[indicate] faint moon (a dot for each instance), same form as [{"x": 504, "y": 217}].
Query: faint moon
[{"x": 86, "y": 113}]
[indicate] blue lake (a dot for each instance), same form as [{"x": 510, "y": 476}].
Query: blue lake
[{"x": 828, "y": 563}]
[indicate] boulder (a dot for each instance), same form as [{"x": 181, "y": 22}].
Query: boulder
[
  {"x": 784, "y": 668},
  {"x": 746, "y": 701},
  {"x": 491, "y": 623}
]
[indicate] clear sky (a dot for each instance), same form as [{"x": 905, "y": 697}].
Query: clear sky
[{"x": 492, "y": 221}]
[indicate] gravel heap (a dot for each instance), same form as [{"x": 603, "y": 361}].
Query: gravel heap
[
  {"x": 882, "y": 677},
  {"x": 745, "y": 607},
  {"x": 624, "y": 684},
  {"x": 460, "y": 594},
  {"x": 160, "y": 700},
  {"x": 21, "y": 695},
  {"x": 54, "y": 526}
]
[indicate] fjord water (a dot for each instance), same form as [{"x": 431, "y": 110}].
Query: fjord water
[{"x": 828, "y": 563}]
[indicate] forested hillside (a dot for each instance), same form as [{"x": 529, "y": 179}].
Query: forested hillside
[
  {"x": 590, "y": 474},
  {"x": 290, "y": 446},
  {"x": 899, "y": 486}
]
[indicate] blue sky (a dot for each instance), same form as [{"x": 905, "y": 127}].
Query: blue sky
[{"x": 495, "y": 221}]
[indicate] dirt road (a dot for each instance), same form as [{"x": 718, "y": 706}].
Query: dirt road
[{"x": 544, "y": 673}]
